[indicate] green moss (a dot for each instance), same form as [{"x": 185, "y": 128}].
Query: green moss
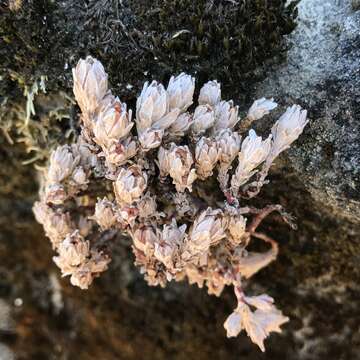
[
  {"x": 218, "y": 39},
  {"x": 224, "y": 40}
]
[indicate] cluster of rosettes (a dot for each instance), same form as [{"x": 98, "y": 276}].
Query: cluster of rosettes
[{"x": 157, "y": 187}]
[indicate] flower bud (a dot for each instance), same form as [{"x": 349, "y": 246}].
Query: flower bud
[
  {"x": 104, "y": 214},
  {"x": 181, "y": 125},
  {"x": 260, "y": 108},
  {"x": 237, "y": 228},
  {"x": 79, "y": 176},
  {"x": 84, "y": 275},
  {"x": 113, "y": 123},
  {"x": 55, "y": 194},
  {"x": 226, "y": 115},
  {"x": 150, "y": 138},
  {"x": 287, "y": 129},
  {"x": 210, "y": 94},
  {"x": 127, "y": 216},
  {"x": 90, "y": 84},
  {"x": 144, "y": 239},
  {"x": 151, "y": 105},
  {"x": 180, "y": 161},
  {"x": 118, "y": 153},
  {"x": 253, "y": 152},
  {"x": 130, "y": 184},
  {"x": 73, "y": 251},
  {"x": 166, "y": 121},
  {"x": 57, "y": 225},
  {"x": 204, "y": 118},
  {"x": 81, "y": 278},
  {"x": 147, "y": 206},
  {"x": 206, "y": 156},
  {"x": 181, "y": 91},
  {"x": 85, "y": 152},
  {"x": 229, "y": 144},
  {"x": 163, "y": 162},
  {"x": 62, "y": 164},
  {"x": 173, "y": 234},
  {"x": 168, "y": 246},
  {"x": 208, "y": 228}
]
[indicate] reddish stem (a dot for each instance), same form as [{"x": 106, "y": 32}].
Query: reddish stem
[
  {"x": 267, "y": 239},
  {"x": 261, "y": 215}
]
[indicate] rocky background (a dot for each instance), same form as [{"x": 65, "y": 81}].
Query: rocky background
[{"x": 256, "y": 48}]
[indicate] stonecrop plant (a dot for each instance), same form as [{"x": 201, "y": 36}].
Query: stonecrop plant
[{"x": 158, "y": 186}]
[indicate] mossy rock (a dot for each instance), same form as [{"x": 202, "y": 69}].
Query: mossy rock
[
  {"x": 138, "y": 39},
  {"x": 315, "y": 279}
]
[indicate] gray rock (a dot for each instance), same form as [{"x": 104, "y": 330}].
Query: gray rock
[{"x": 323, "y": 74}]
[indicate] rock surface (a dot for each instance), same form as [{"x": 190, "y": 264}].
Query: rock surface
[
  {"x": 323, "y": 74},
  {"x": 315, "y": 280}
]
